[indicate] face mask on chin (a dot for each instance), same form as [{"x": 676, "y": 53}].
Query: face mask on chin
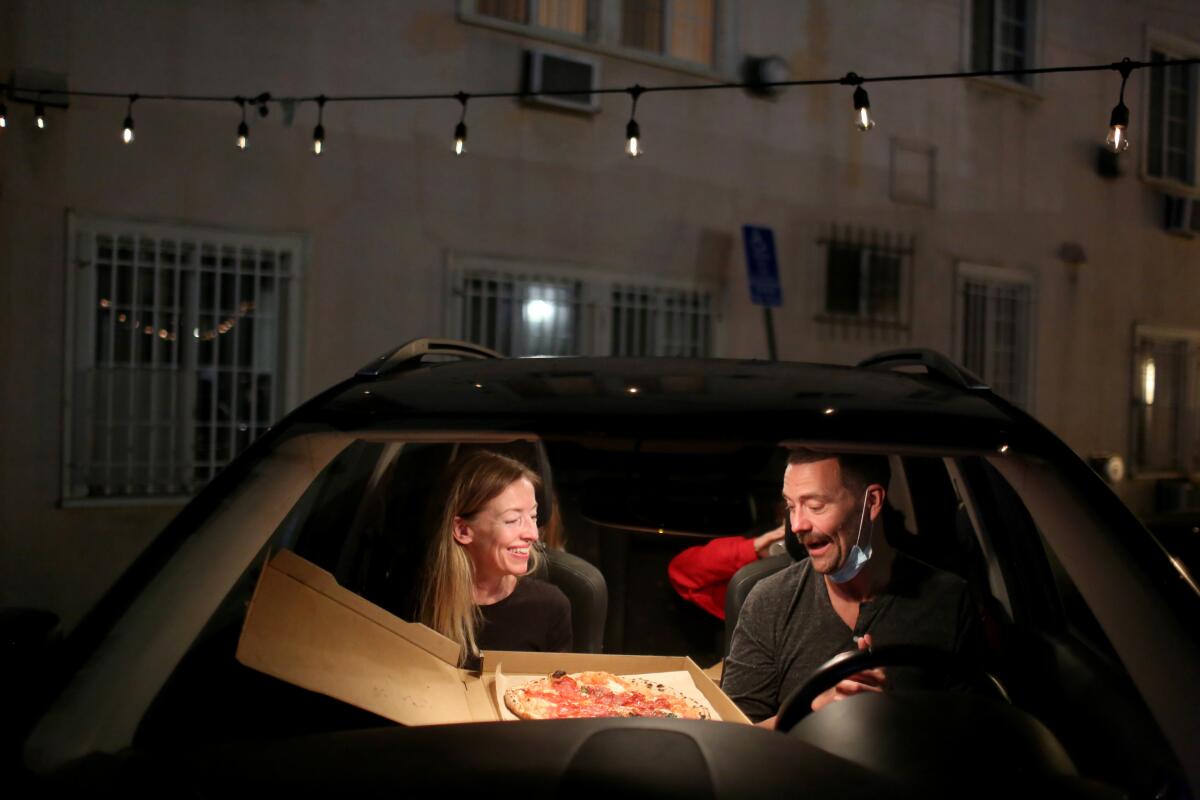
[{"x": 859, "y": 555}]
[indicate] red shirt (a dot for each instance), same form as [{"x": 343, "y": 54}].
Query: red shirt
[{"x": 701, "y": 574}]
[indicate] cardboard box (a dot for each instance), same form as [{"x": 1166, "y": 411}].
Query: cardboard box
[{"x": 302, "y": 627}]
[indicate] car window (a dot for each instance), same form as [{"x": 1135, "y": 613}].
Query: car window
[{"x": 1054, "y": 656}]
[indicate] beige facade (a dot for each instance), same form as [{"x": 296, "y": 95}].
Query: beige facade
[{"x": 982, "y": 176}]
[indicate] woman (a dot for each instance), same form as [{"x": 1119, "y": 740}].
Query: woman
[{"x": 474, "y": 589}]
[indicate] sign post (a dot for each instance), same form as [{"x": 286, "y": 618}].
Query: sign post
[{"x": 762, "y": 270}]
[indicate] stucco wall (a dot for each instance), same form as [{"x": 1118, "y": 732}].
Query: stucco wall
[{"x": 388, "y": 204}]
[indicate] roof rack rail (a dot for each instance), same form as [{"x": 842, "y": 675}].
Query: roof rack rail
[
  {"x": 412, "y": 353},
  {"x": 934, "y": 363}
]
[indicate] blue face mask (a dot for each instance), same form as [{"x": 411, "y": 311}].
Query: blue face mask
[{"x": 859, "y": 556}]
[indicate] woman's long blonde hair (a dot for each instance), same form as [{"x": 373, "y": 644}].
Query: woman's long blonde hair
[{"x": 447, "y": 593}]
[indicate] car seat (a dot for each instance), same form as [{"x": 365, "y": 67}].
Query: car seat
[
  {"x": 585, "y": 587},
  {"x": 740, "y": 585}
]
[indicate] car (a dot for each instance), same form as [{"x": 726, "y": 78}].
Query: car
[{"x": 1092, "y": 634}]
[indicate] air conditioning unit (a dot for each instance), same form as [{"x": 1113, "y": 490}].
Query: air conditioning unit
[
  {"x": 554, "y": 72},
  {"x": 1181, "y": 215}
]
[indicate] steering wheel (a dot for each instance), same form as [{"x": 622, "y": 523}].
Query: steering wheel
[{"x": 798, "y": 704}]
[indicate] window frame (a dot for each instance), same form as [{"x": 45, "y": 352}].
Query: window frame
[
  {"x": 995, "y": 275},
  {"x": 596, "y": 311},
  {"x": 1031, "y": 90},
  {"x": 867, "y": 241},
  {"x": 1171, "y": 46},
  {"x": 604, "y": 36},
  {"x": 1185, "y": 449},
  {"x": 79, "y": 338}
]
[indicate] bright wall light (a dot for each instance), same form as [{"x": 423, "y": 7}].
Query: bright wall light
[
  {"x": 1148, "y": 375},
  {"x": 538, "y": 311}
]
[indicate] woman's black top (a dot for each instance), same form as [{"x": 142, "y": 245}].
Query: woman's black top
[{"x": 536, "y": 616}]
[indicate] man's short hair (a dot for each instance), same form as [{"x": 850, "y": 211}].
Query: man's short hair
[{"x": 859, "y": 470}]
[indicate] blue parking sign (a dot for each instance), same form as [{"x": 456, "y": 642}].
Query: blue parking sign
[{"x": 762, "y": 267}]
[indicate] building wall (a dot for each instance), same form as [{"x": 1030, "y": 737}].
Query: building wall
[{"x": 388, "y": 206}]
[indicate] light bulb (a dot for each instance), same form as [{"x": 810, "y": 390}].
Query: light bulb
[
  {"x": 460, "y": 138},
  {"x": 1148, "y": 376},
  {"x": 243, "y": 135},
  {"x": 3, "y": 116},
  {"x": 633, "y": 140},
  {"x": 318, "y": 139},
  {"x": 39, "y": 116},
  {"x": 127, "y": 133},
  {"x": 862, "y": 110},
  {"x": 1117, "y": 141}
]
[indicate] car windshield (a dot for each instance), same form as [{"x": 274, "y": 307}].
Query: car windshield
[{"x": 362, "y": 505}]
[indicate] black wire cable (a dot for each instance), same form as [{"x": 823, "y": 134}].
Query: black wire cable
[{"x": 857, "y": 80}]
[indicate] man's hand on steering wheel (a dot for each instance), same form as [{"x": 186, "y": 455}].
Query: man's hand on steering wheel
[{"x": 868, "y": 680}]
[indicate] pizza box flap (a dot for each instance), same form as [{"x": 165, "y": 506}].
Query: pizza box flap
[{"x": 302, "y": 627}]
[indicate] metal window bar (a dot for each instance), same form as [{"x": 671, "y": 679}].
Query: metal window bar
[
  {"x": 132, "y": 411},
  {"x": 1179, "y": 127},
  {"x": 157, "y": 344},
  {"x": 108, "y": 427},
  {"x": 541, "y": 314},
  {"x": 214, "y": 312},
  {"x": 181, "y": 340},
  {"x": 131, "y": 362},
  {"x": 996, "y": 335},
  {"x": 867, "y": 275},
  {"x": 1012, "y": 42},
  {"x": 254, "y": 365}
]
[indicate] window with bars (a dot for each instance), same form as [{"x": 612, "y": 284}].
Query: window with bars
[
  {"x": 996, "y": 329},
  {"x": 866, "y": 276},
  {"x": 182, "y": 353},
  {"x": 677, "y": 30},
  {"x": 1166, "y": 402},
  {"x": 1002, "y": 36},
  {"x": 556, "y": 311},
  {"x": 1171, "y": 137}
]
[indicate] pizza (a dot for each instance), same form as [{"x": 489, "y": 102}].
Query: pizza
[{"x": 599, "y": 694}]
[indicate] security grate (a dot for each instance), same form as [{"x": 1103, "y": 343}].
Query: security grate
[
  {"x": 996, "y": 325},
  {"x": 548, "y": 311},
  {"x": 660, "y": 321},
  {"x": 866, "y": 276},
  {"x": 182, "y": 355}
]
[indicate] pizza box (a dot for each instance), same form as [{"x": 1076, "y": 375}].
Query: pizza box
[{"x": 304, "y": 628}]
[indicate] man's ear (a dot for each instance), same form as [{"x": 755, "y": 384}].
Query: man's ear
[
  {"x": 876, "y": 494},
  {"x": 462, "y": 531}
]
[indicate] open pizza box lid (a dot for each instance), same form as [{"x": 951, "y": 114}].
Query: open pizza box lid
[{"x": 302, "y": 627}]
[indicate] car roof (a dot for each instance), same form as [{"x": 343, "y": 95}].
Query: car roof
[{"x": 677, "y": 397}]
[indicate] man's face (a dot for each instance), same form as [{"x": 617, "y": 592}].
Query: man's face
[{"x": 822, "y": 512}]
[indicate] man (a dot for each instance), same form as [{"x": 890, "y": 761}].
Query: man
[{"x": 853, "y": 591}]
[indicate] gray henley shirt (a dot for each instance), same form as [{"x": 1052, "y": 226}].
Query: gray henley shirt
[{"x": 787, "y": 628}]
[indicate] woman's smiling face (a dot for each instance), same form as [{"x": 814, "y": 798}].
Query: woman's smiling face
[{"x": 498, "y": 537}]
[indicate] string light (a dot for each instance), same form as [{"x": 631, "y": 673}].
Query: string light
[
  {"x": 1117, "y": 139},
  {"x": 460, "y": 130},
  {"x": 1118, "y": 121},
  {"x": 127, "y": 132},
  {"x": 633, "y": 133},
  {"x": 243, "y": 132},
  {"x": 862, "y": 103},
  {"x": 319, "y": 131}
]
